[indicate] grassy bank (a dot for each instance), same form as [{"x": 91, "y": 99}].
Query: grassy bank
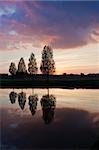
[{"x": 53, "y": 81}]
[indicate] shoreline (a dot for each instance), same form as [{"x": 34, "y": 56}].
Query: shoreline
[{"x": 51, "y": 81}]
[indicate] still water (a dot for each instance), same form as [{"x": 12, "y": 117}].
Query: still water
[{"x": 72, "y": 123}]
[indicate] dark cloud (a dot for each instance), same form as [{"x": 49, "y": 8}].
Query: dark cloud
[{"x": 70, "y": 23}]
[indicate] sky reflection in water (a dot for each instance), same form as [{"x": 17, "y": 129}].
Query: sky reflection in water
[{"x": 72, "y": 123}]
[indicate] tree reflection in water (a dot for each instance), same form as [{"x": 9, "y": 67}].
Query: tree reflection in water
[
  {"x": 33, "y": 103},
  {"x": 48, "y": 104},
  {"x": 12, "y": 97},
  {"x": 22, "y": 100}
]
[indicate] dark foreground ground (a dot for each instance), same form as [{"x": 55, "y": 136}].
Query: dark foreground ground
[{"x": 51, "y": 81}]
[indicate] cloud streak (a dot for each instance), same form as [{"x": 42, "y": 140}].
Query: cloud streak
[{"x": 61, "y": 24}]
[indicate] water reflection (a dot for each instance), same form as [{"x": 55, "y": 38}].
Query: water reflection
[
  {"x": 48, "y": 104},
  {"x": 74, "y": 126},
  {"x": 22, "y": 99},
  {"x": 12, "y": 97},
  {"x": 33, "y": 103}
]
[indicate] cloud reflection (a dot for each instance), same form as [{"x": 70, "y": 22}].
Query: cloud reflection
[{"x": 72, "y": 128}]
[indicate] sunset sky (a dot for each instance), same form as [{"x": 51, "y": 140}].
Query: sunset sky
[{"x": 71, "y": 28}]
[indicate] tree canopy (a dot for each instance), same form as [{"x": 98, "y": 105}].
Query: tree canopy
[
  {"x": 47, "y": 63},
  {"x": 21, "y": 66},
  {"x": 12, "y": 68},
  {"x": 32, "y": 65}
]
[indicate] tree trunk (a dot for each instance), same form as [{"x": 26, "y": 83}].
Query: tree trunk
[
  {"x": 32, "y": 91},
  {"x": 48, "y": 83}
]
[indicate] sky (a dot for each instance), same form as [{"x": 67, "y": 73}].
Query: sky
[{"x": 71, "y": 28}]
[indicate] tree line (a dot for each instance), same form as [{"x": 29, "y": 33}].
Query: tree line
[{"x": 47, "y": 64}]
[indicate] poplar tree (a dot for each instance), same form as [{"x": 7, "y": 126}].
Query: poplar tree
[
  {"x": 32, "y": 65},
  {"x": 22, "y": 66},
  {"x": 13, "y": 96},
  {"x": 47, "y": 63},
  {"x": 22, "y": 100},
  {"x": 12, "y": 69}
]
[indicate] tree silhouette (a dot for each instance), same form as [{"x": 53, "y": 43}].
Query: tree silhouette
[
  {"x": 12, "y": 69},
  {"x": 22, "y": 67},
  {"x": 32, "y": 65},
  {"x": 13, "y": 96},
  {"x": 47, "y": 64},
  {"x": 33, "y": 103},
  {"x": 22, "y": 99},
  {"x": 48, "y": 104}
]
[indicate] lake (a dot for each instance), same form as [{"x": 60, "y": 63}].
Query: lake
[{"x": 72, "y": 123}]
